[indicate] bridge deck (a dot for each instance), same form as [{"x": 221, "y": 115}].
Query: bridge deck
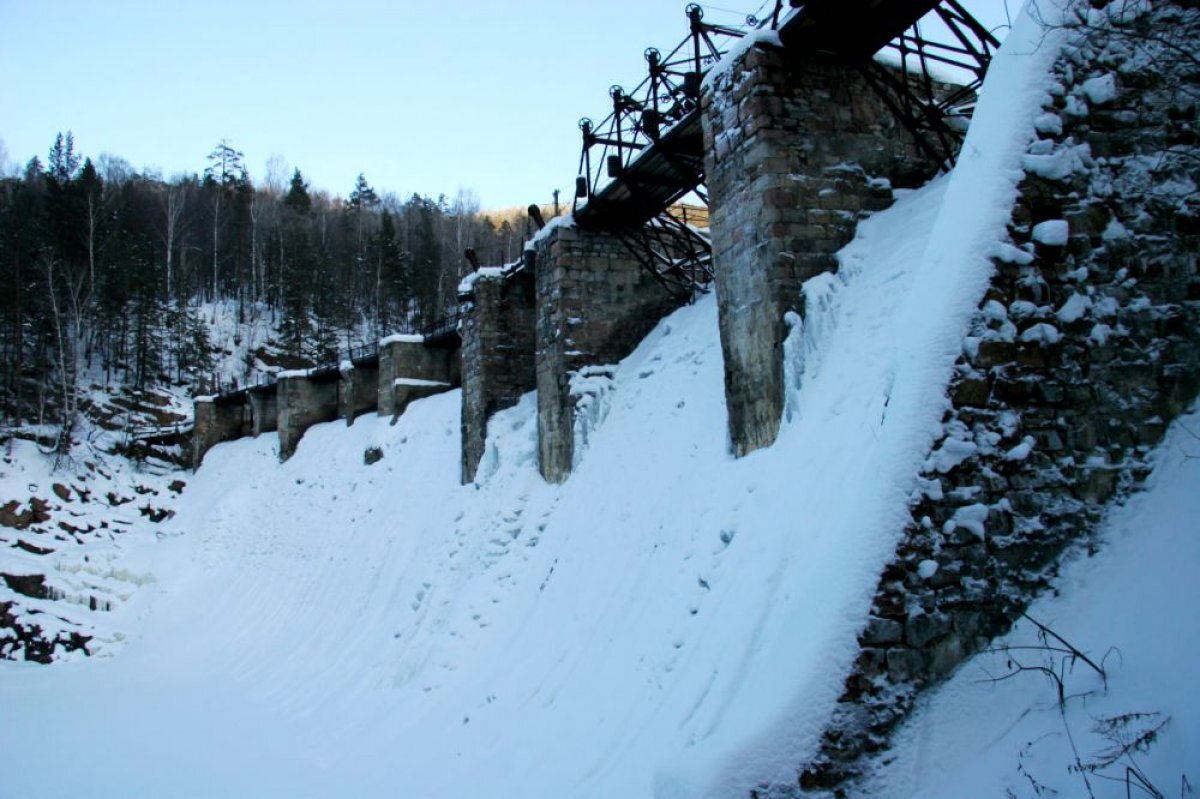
[{"x": 662, "y": 174}]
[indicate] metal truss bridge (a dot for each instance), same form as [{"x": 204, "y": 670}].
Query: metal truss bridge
[{"x": 648, "y": 153}]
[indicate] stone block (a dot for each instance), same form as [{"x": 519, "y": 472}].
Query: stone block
[{"x": 881, "y": 631}]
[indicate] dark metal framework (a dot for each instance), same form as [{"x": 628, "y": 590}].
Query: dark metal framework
[
  {"x": 936, "y": 114},
  {"x": 676, "y": 254},
  {"x": 680, "y": 257},
  {"x": 668, "y": 93},
  {"x": 440, "y": 330}
]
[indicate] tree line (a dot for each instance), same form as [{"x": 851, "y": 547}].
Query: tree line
[{"x": 103, "y": 268}]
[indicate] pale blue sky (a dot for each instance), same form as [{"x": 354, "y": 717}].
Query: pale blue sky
[{"x": 422, "y": 97}]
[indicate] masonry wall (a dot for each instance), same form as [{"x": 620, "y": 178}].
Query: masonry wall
[
  {"x": 411, "y": 359},
  {"x": 594, "y": 304},
  {"x": 264, "y": 407},
  {"x": 1085, "y": 348},
  {"x": 216, "y": 422},
  {"x": 304, "y": 402},
  {"x": 796, "y": 153},
  {"x": 497, "y": 357},
  {"x": 359, "y": 391}
]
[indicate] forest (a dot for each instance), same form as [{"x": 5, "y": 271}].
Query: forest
[{"x": 103, "y": 270}]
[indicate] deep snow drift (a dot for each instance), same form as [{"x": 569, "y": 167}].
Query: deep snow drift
[{"x": 670, "y": 622}]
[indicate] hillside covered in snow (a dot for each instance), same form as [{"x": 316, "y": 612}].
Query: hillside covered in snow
[{"x": 669, "y": 622}]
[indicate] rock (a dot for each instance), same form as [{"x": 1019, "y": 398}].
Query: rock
[
  {"x": 922, "y": 628},
  {"x": 30, "y": 585},
  {"x": 881, "y": 631}
]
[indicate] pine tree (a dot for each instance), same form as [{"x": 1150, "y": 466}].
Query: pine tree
[
  {"x": 297, "y": 267},
  {"x": 63, "y": 160},
  {"x": 224, "y": 166}
]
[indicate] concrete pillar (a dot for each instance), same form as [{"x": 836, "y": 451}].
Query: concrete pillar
[
  {"x": 264, "y": 410},
  {"x": 410, "y": 368},
  {"x": 359, "y": 389},
  {"x": 497, "y": 357},
  {"x": 595, "y": 303},
  {"x": 216, "y": 420},
  {"x": 795, "y": 153},
  {"x": 304, "y": 401}
]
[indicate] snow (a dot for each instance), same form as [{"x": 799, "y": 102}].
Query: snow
[
  {"x": 971, "y": 518},
  {"x": 670, "y": 622},
  {"x": 1100, "y": 334},
  {"x": 402, "y": 338},
  {"x": 1075, "y": 308},
  {"x": 649, "y": 628},
  {"x": 1041, "y": 333},
  {"x": 560, "y": 221},
  {"x": 1060, "y": 164},
  {"x": 1049, "y": 124},
  {"x": 1101, "y": 89},
  {"x": 761, "y": 36},
  {"x": 243, "y": 332},
  {"x": 100, "y": 567},
  {"x": 1052, "y": 233},
  {"x": 1131, "y": 608},
  {"x": 1021, "y": 451},
  {"x": 418, "y": 382},
  {"x": 950, "y": 454}
]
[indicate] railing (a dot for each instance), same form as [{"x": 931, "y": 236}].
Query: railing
[
  {"x": 222, "y": 388},
  {"x": 229, "y": 388},
  {"x": 369, "y": 350},
  {"x": 439, "y": 327},
  {"x": 146, "y": 433}
]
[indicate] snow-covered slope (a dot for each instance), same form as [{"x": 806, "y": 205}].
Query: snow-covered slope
[
  {"x": 1132, "y": 609},
  {"x": 670, "y": 622},
  {"x": 663, "y": 624}
]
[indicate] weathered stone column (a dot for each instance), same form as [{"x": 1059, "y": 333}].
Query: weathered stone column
[
  {"x": 594, "y": 304},
  {"x": 497, "y": 357},
  {"x": 304, "y": 401},
  {"x": 215, "y": 421},
  {"x": 358, "y": 390},
  {"x": 264, "y": 409},
  {"x": 796, "y": 153}
]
